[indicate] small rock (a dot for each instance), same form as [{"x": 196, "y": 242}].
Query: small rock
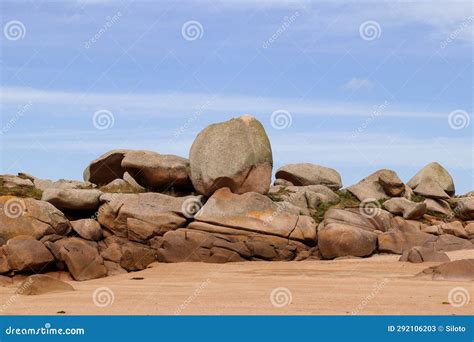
[
  {"x": 88, "y": 229},
  {"x": 409, "y": 209},
  {"x": 310, "y": 174},
  {"x": 423, "y": 254}
]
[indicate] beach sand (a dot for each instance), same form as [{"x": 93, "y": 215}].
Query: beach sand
[{"x": 371, "y": 286}]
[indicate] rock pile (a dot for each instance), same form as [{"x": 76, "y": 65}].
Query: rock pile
[{"x": 139, "y": 207}]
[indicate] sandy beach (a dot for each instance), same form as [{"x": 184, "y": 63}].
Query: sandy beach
[{"x": 372, "y": 286}]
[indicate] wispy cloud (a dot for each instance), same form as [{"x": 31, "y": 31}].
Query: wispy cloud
[
  {"x": 184, "y": 104},
  {"x": 355, "y": 84}
]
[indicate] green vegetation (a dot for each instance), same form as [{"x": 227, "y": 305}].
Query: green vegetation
[
  {"x": 280, "y": 195},
  {"x": 30, "y": 192},
  {"x": 417, "y": 198}
]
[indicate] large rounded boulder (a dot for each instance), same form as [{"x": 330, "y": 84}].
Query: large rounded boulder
[
  {"x": 432, "y": 180},
  {"x": 236, "y": 154}
]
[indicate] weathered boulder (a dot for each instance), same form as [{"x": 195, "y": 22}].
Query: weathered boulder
[
  {"x": 106, "y": 168},
  {"x": 405, "y": 207},
  {"x": 136, "y": 256},
  {"x": 27, "y": 216},
  {"x": 24, "y": 253},
  {"x": 455, "y": 228},
  {"x": 235, "y": 154},
  {"x": 448, "y": 242},
  {"x": 458, "y": 270},
  {"x": 157, "y": 171},
  {"x": 423, "y": 254},
  {"x": 431, "y": 189},
  {"x": 397, "y": 242},
  {"x": 255, "y": 213},
  {"x": 11, "y": 182},
  {"x": 282, "y": 182},
  {"x": 201, "y": 244},
  {"x": 73, "y": 199},
  {"x": 337, "y": 240},
  {"x": 470, "y": 229},
  {"x": 464, "y": 208},
  {"x": 140, "y": 217},
  {"x": 438, "y": 206},
  {"x": 433, "y": 172},
  {"x": 38, "y": 284},
  {"x": 355, "y": 217},
  {"x": 380, "y": 185},
  {"x": 391, "y": 183},
  {"x": 310, "y": 174},
  {"x": 88, "y": 229},
  {"x": 43, "y": 184},
  {"x": 82, "y": 258},
  {"x": 309, "y": 196}
]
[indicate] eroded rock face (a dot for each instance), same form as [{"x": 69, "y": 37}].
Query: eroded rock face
[
  {"x": 310, "y": 174},
  {"x": 73, "y": 199},
  {"x": 197, "y": 244},
  {"x": 140, "y": 217},
  {"x": 255, "y": 213},
  {"x": 423, "y": 254},
  {"x": 355, "y": 217},
  {"x": 27, "y": 216},
  {"x": 433, "y": 173},
  {"x": 458, "y": 270},
  {"x": 338, "y": 240},
  {"x": 235, "y": 154},
  {"x": 10, "y": 182},
  {"x": 24, "y": 253},
  {"x": 106, "y": 168},
  {"x": 157, "y": 171},
  {"x": 438, "y": 206}
]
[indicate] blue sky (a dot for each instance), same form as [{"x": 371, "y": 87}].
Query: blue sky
[{"x": 362, "y": 85}]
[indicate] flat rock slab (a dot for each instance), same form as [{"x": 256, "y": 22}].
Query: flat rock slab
[{"x": 40, "y": 284}]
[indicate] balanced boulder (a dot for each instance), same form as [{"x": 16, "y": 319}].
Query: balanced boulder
[
  {"x": 310, "y": 174},
  {"x": 73, "y": 199},
  {"x": 235, "y": 154},
  {"x": 436, "y": 173},
  {"x": 106, "y": 168},
  {"x": 157, "y": 171}
]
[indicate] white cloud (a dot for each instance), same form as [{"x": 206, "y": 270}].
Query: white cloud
[
  {"x": 185, "y": 104},
  {"x": 355, "y": 84}
]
